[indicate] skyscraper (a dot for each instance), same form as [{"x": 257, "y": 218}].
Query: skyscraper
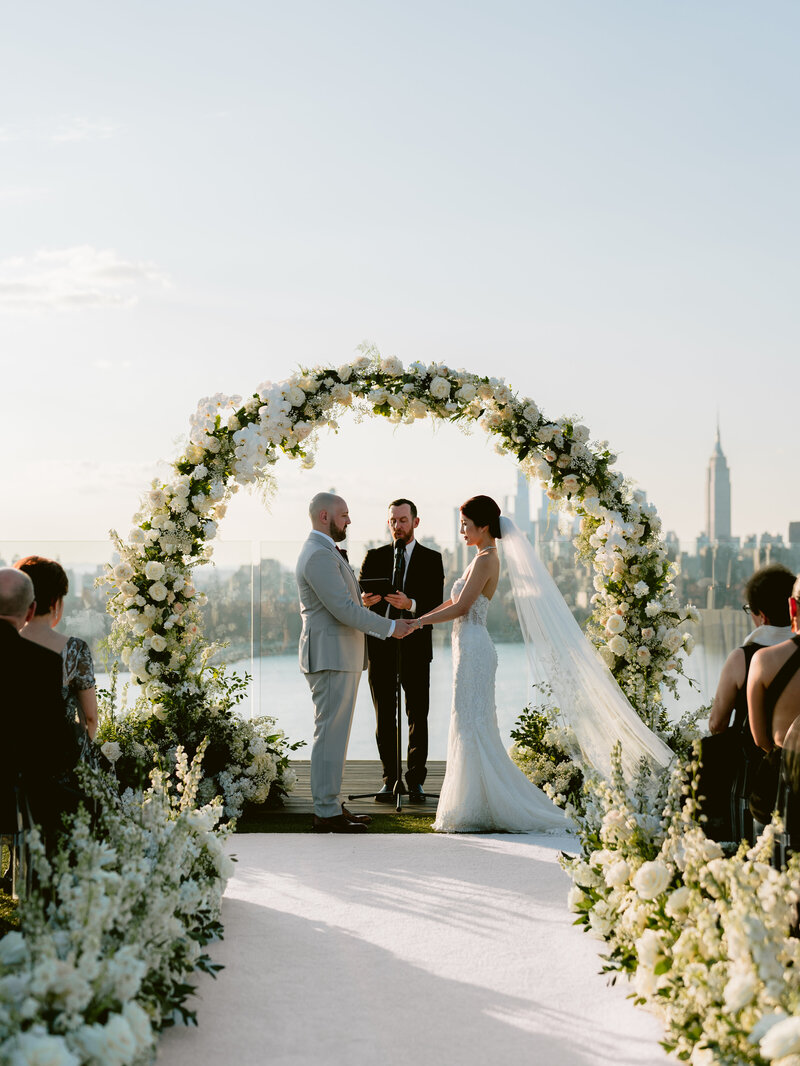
[
  {"x": 718, "y": 496},
  {"x": 522, "y": 504}
]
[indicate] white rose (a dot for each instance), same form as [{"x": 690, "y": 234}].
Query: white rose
[
  {"x": 615, "y": 624},
  {"x": 678, "y": 902},
  {"x": 648, "y": 948},
  {"x": 688, "y": 643},
  {"x": 136, "y": 536},
  {"x": 157, "y": 643},
  {"x": 35, "y": 1048},
  {"x": 391, "y": 365},
  {"x": 467, "y": 392},
  {"x": 652, "y": 609},
  {"x": 574, "y": 898},
  {"x": 782, "y": 1039},
  {"x": 617, "y": 874},
  {"x": 154, "y": 570},
  {"x": 440, "y": 388},
  {"x": 158, "y": 592},
  {"x": 111, "y": 750},
  {"x": 648, "y": 633},
  {"x": 651, "y": 879},
  {"x": 608, "y": 656},
  {"x": 531, "y": 413},
  {"x": 618, "y": 645},
  {"x": 156, "y": 498},
  {"x": 570, "y": 484},
  {"x": 643, "y": 655}
]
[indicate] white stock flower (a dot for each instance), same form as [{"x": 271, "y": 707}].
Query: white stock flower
[
  {"x": 641, "y": 588},
  {"x": 608, "y": 656},
  {"x": 740, "y": 990},
  {"x": 649, "y": 948},
  {"x": 653, "y": 609},
  {"x": 678, "y": 902},
  {"x": 651, "y": 879},
  {"x": 574, "y": 898}
]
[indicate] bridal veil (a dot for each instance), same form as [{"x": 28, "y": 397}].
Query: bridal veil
[{"x": 590, "y": 701}]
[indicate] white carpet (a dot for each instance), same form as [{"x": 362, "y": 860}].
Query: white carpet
[{"x": 394, "y": 950}]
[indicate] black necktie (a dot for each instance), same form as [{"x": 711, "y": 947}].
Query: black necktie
[
  {"x": 398, "y": 574},
  {"x": 343, "y": 553}
]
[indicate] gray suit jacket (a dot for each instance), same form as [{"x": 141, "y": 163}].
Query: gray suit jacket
[{"x": 334, "y": 620}]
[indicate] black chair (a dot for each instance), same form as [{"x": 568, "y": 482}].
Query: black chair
[{"x": 15, "y": 825}]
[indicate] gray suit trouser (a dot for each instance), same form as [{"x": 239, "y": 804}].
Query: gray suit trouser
[{"x": 334, "y": 695}]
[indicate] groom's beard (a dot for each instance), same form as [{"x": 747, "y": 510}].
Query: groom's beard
[{"x": 337, "y": 533}]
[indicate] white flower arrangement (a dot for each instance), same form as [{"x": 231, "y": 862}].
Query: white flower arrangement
[
  {"x": 235, "y": 442},
  {"x": 705, "y": 940},
  {"x": 108, "y": 942}
]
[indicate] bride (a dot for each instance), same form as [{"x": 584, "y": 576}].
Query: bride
[{"x": 483, "y": 789}]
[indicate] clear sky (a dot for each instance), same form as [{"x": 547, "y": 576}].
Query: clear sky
[{"x": 595, "y": 200}]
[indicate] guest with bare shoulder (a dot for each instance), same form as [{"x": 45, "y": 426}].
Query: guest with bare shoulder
[{"x": 773, "y": 697}]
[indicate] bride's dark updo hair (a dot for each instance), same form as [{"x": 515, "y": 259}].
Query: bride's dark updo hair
[{"x": 483, "y": 511}]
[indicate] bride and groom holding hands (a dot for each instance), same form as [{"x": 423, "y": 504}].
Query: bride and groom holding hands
[{"x": 483, "y": 790}]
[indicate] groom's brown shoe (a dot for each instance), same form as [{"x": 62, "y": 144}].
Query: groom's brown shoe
[
  {"x": 364, "y": 819},
  {"x": 338, "y": 824}
]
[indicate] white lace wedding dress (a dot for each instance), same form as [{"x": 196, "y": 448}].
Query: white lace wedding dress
[{"x": 483, "y": 790}]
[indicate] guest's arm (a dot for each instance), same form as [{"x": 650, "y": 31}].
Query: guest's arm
[
  {"x": 756, "y": 691},
  {"x": 87, "y": 702},
  {"x": 731, "y": 681}
]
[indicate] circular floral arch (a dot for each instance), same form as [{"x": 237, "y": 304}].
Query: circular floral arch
[{"x": 636, "y": 622}]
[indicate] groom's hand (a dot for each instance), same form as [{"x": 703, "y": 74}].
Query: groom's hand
[
  {"x": 401, "y": 628},
  {"x": 399, "y": 600}
]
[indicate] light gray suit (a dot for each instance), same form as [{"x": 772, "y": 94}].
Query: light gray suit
[{"x": 333, "y": 653}]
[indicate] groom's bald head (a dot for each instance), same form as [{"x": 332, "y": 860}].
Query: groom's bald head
[{"x": 328, "y": 514}]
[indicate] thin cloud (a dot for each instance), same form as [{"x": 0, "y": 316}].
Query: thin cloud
[
  {"x": 79, "y": 277},
  {"x": 70, "y": 129},
  {"x": 83, "y": 129}
]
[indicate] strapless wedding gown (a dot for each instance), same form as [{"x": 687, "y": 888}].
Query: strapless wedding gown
[{"x": 483, "y": 790}]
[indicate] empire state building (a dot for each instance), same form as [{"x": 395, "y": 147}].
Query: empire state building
[{"x": 718, "y": 496}]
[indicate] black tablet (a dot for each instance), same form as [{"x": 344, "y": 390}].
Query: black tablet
[{"x": 377, "y": 586}]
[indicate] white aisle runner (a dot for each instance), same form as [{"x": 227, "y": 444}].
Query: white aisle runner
[{"x": 407, "y": 950}]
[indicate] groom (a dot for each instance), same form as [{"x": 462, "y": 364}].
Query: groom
[
  {"x": 333, "y": 654},
  {"x": 417, "y": 573}
]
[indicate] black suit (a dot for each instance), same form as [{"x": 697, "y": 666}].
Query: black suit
[
  {"x": 424, "y": 583},
  {"x": 38, "y": 743}
]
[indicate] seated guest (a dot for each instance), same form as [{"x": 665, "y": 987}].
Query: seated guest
[
  {"x": 50, "y": 586},
  {"x": 730, "y": 758},
  {"x": 773, "y": 697},
  {"x": 39, "y": 748},
  {"x": 767, "y": 592}
]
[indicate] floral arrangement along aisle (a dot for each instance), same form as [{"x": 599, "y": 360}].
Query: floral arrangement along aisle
[
  {"x": 708, "y": 941},
  {"x": 114, "y": 927},
  {"x": 637, "y": 623}
]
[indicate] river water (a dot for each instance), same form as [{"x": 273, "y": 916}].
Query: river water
[{"x": 283, "y": 693}]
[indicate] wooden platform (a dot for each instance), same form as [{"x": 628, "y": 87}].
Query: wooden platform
[{"x": 360, "y": 775}]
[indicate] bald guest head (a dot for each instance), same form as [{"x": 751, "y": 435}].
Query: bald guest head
[
  {"x": 329, "y": 515},
  {"x": 17, "y": 600}
]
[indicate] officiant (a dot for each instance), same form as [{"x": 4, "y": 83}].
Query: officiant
[{"x": 416, "y": 573}]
